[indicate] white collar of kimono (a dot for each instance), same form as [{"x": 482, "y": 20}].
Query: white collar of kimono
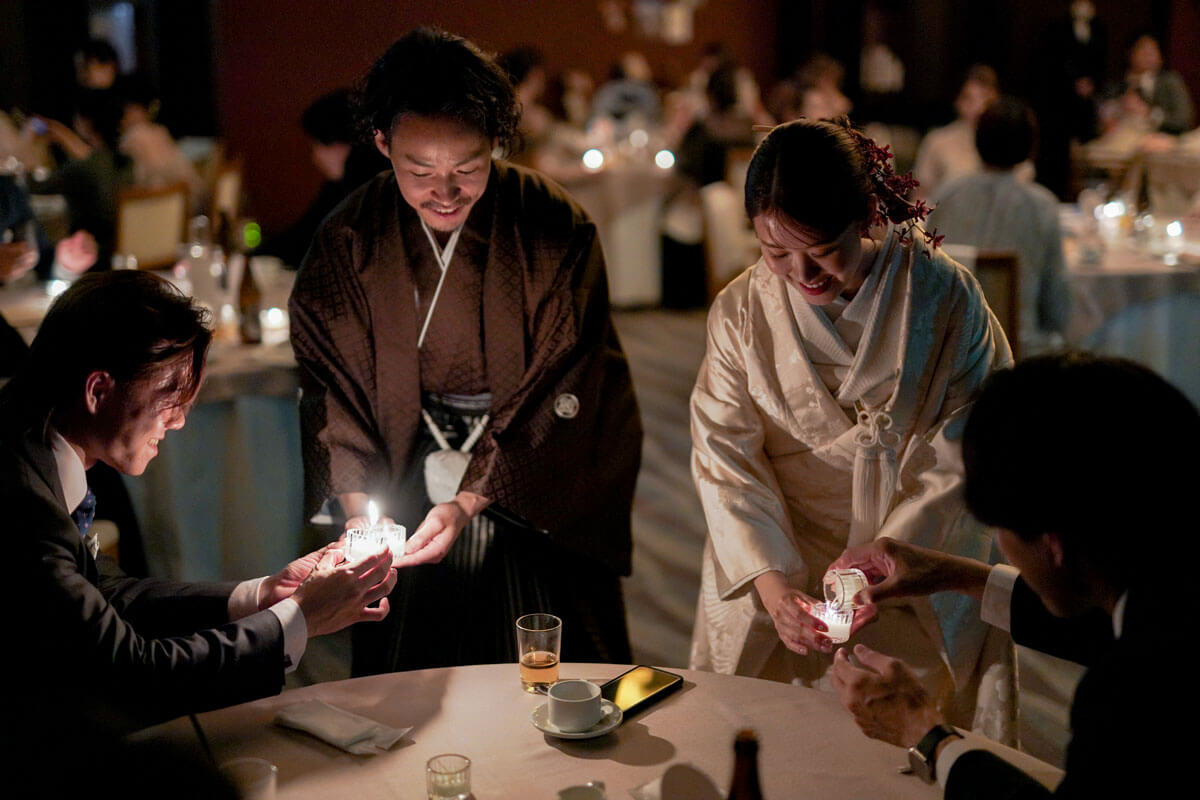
[
  {"x": 1118, "y": 615},
  {"x": 876, "y": 356},
  {"x": 443, "y": 256}
]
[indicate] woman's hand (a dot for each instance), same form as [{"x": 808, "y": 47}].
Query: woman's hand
[
  {"x": 77, "y": 253},
  {"x": 791, "y": 609}
]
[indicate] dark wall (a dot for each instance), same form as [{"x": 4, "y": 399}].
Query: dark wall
[{"x": 273, "y": 57}]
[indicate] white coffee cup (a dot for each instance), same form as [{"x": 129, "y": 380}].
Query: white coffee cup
[
  {"x": 592, "y": 790},
  {"x": 574, "y": 705}
]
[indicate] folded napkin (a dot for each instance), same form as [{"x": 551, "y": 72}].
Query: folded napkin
[
  {"x": 340, "y": 728},
  {"x": 679, "y": 782}
]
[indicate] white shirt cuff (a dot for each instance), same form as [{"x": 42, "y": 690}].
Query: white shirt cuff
[
  {"x": 244, "y": 600},
  {"x": 295, "y": 631},
  {"x": 950, "y": 754},
  {"x": 996, "y": 608}
]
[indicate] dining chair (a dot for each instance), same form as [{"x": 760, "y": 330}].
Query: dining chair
[
  {"x": 151, "y": 224},
  {"x": 729, "y": 244},
  {"x": 999, "y": 277},
  {"x": 227, "y": 191}
]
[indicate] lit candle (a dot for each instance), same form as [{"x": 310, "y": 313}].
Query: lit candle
[
  {"x": 837, "y": 620},
  {"x": 372, "y": 513}
]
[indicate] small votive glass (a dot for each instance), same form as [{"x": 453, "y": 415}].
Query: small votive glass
[
  {"x": 836, "y": 619},
  {"x": 361, "y": 543},
  {"x": 448, "y": 776},
  {"x": 252, "y": 778},
  {"x": 842, "y": 584}
]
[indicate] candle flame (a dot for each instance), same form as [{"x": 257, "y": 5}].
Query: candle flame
[{"x": 372, "y": 513}]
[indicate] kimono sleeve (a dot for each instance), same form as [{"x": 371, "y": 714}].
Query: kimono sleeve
[
  {"x": 331, "y": 337},
  {"x": 931, "y": 506},
  {"x": 742, "y": 499},
  {"x": 563, "y": 450}
]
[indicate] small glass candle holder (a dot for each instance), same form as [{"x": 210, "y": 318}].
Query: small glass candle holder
[
  {"x": 362, "y": 543},
  {"x": 836, "y": 619},
  {"x": 448, "y": 776},
  {"x": 841, "y": 585},
  {"x": 393, "y": 535}
]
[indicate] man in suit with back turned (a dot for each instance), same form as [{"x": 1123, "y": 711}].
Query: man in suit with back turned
[
  {"x": 116, "y": 364},
  {"x": 1087, "y": 469}
]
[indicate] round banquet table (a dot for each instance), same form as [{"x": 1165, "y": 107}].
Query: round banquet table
[{"x": 810, "y": 747}]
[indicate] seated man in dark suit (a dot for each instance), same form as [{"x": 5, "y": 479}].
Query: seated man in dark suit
[
  {"x": 116, "y": 364},
  {"x": 1094, "y": 506}
]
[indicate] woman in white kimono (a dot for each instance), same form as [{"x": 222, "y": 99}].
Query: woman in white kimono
[{"x": 827, "y": 412}]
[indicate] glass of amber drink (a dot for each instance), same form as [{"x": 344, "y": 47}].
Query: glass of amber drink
[{"x": 539, "y": 637}]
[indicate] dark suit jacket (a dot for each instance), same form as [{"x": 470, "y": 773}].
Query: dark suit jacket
[
  {"x": 1122, "y": 741},
  {"x": 83, "y": 634}
]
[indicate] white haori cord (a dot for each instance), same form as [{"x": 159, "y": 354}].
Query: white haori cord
[{"x": 875, "y": 474}]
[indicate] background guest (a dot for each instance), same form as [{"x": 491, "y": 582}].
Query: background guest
[
  {"x": 1157, "y": 97},
  {"x": 995, "y": 210},
  {"x": 344, "y": 160},
  {"x": 949, "y": 152}
]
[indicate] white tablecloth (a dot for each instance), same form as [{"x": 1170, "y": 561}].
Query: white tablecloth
[
  {"x": 625, "y": 201},
  {"x": 809, "y": 745},
  {"x": 1132, "y": 304}
]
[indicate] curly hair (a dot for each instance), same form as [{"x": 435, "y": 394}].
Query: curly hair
[{"x": 431, "y": 72}]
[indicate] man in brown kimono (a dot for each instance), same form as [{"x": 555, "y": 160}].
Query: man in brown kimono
[{"x": 464, "y": 295}]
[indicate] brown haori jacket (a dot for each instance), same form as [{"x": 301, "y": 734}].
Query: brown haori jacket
[{"x": 547, "y": 338}]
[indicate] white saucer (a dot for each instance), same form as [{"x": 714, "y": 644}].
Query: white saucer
[{"x": 611, "y": 719}]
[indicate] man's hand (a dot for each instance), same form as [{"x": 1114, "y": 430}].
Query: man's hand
[
  {"x": 285, "y": 582},
  {"x": 433, "y": 538},
  {"x": 335, "y": 595},
  {"x": 76, "y": 253},
  {"x": 16, "y": 258},
  {"x": 790, "y": 609},
  {"x": 898, "y": 569},
  {"x": 884, "y": 697}
]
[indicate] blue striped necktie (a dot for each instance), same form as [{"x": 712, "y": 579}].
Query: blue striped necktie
[{"x": 83, "y": 516}]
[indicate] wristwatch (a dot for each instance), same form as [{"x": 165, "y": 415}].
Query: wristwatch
[{"x": 921, "y": 757}]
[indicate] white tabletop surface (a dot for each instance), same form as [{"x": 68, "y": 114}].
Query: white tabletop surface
[{"x": 809, "y": 745}]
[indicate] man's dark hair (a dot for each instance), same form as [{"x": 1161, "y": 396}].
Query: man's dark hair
[
  {"x": 98, "y": 50},
  {"x": 721, "y": 88},
  {"x": 813, "y": 172},
  {"x": 1096, "y": 450},
  {"x": 433, "y": 73},
  {"x": 330, "y": 118},
  {"x": 1006, "y": 133},
  {"x": 128, "y": 323}
]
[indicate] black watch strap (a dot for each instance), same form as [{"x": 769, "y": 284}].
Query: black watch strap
[{"x": 921, "y": 756}]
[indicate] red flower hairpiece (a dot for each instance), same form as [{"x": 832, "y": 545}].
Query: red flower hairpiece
[{"x": 891, "y": 191}]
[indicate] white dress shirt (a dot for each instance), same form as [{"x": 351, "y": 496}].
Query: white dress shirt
[{"x": 243, "y": 601}]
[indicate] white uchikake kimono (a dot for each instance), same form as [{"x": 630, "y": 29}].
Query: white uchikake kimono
[{"x": 804, "y": 444}]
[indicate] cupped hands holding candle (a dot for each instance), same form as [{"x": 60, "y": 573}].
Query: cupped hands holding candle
[
  {"x": 431, "y": 540},
  {"x": 797, "y": 616}
]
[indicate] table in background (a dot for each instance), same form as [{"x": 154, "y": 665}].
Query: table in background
[
  {"x": 809, "y": 745},
  {"x": 625, "y": 201},
  {"x": 1132, "y": 304}
]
